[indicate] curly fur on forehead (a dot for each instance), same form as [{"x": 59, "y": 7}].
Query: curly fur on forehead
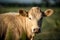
[{"x": 35, "y": 12}]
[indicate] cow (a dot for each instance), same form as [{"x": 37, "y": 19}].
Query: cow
[{"x": 13, "y": 25}]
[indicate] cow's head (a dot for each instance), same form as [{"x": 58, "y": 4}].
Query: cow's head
[
  {"x": 35, "y": 13},
  {"x": 34, "y": 19}
]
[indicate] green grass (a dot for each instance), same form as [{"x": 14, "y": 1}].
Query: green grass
[
  {"x": 12, "y": 9},
  {"x": 50, "y": 25}
]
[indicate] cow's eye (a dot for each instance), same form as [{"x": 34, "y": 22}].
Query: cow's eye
[{"x": 30, "y": 18}]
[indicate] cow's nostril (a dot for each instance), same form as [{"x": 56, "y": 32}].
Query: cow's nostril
[
  {"x": 36, "y": 29},
  {"x": 33, "y": 29}
]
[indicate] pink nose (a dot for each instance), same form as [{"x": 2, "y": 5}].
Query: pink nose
[{"x": 36, "y": 30}]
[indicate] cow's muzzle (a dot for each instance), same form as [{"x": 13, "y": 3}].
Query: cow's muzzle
[{"x": 36, "y": 30}]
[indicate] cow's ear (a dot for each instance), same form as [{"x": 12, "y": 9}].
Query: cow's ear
[
  {"x": 48, "y": 12},
  {"x": 23, "y": 12}
]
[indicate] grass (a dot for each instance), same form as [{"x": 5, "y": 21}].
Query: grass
[
  {"x": 12, "y": 9},
  {"x": 50, "y": 25}
]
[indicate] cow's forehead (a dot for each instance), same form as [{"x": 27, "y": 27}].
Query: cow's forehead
[{"x": 35, "y": 13}]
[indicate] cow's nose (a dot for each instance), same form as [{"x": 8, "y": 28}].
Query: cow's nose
[{"x": 36, "y": 30}]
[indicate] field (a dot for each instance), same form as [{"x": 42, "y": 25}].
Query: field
[{"x": 50, "y": 27}]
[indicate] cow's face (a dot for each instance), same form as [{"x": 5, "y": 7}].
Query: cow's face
[
  {"x": 36, "y": 14},
  {"x": 33, "y": 18}
]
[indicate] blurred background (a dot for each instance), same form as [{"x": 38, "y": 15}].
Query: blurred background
[{"x": 50, "y": 29}]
